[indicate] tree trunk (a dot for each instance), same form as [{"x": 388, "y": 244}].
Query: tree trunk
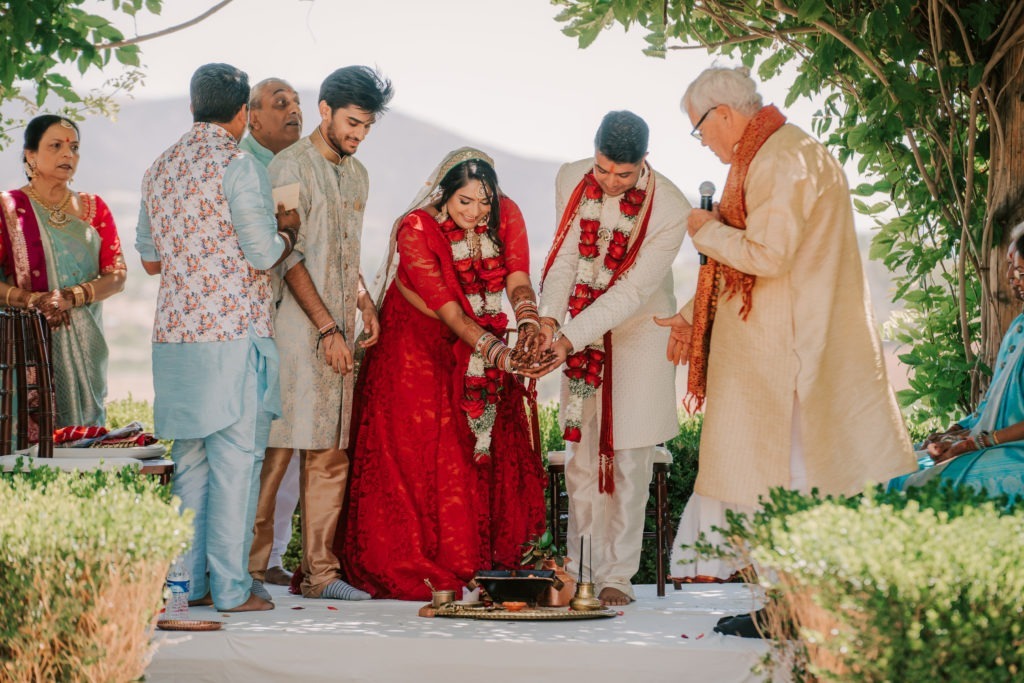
[{"x": 1007, "y": 199}]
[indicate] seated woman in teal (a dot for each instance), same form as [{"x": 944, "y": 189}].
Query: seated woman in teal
[{"x": 986, "y": 448}]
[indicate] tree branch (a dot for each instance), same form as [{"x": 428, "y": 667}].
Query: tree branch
[{"x": 167, "y": 31}]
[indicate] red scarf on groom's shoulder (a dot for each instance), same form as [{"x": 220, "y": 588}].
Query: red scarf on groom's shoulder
[{"x": 606, "y": 471}]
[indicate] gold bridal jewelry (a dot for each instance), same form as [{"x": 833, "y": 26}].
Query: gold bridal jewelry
[{"x": 58, "y": 216}]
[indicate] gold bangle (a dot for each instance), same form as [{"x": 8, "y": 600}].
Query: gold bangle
[
  {"x": 995, "y": 439},
  {"x": 90, "y": 293},
  {"x": 7, "y": 299}
]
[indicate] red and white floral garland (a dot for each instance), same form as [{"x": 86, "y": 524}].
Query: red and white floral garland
[
  {"x": 585, "y": 368},
  {"x": 483, "y": 280}
]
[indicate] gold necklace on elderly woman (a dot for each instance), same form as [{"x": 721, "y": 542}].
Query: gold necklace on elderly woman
[{"x": 58, "y": 216}]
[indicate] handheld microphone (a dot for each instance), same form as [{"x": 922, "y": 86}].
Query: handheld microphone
[{"x": 707, "y": 188}]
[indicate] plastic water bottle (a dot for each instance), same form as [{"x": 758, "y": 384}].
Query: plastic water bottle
[{"x": 179, "y": 584}]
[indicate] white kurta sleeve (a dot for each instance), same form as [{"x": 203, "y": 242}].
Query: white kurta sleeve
[{"x": 557, "y": 284}]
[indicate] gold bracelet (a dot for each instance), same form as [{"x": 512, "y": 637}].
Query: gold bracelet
[
  {"x": 90, "y": 293},
  {"x": 995, "y": 439},
  {"x": 7, "y": 299}
]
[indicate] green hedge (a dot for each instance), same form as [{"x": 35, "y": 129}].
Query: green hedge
[
  {"x": 82, "y": 566},
  {"x": 926, "y": 585}
]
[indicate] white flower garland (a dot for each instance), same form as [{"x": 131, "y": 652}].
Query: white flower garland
[{"x": 487, "y": 303}]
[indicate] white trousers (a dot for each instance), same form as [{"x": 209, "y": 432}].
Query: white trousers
[
  {"x": 611, "y": 526},
  {"x": 702, "y": 515},
  {"x": 284, "y": 510}
]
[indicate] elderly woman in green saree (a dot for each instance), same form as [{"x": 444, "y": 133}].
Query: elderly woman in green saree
[{"x": 60, "y": 254}]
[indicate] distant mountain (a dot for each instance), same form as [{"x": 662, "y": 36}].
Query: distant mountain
[{"x": 399, "y": 154}]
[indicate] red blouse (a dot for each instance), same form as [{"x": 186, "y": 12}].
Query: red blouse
[{"x": 419, "y": 268}]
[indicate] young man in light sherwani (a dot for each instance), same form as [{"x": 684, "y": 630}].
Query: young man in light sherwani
[
  {"x": 317, "y": 314},
  {"x": 608, "y": 274}
]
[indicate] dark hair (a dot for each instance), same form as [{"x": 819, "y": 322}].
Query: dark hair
[
  {"x": 475, "y": 169},
  {"x": 35, "y": 130},
  {"x": 622, "y": 137},
  {"x": 217, "y": 92},
  {"x": 359, "y": 85}
]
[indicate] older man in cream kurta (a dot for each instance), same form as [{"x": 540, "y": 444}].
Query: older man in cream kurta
[
  {"x": 643, "y": 393},
  {"x": 797, "y": 394}
]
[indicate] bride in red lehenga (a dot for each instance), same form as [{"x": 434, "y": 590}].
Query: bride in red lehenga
[{"x": 445, "y": 478}]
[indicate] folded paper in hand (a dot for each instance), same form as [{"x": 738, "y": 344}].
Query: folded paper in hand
[{"x": 287, "y": 195}]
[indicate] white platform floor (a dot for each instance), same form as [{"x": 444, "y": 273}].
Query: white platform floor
[{"x": 385, "y": 640}]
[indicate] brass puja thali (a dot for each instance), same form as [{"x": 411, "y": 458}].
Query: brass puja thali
[{"x": 496, "y": 612}]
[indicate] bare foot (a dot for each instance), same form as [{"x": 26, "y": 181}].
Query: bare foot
[
  {"x": 204, "y": 601},
  {"x": 253, "y": 604},
  {"x": 613, "y": 596}
]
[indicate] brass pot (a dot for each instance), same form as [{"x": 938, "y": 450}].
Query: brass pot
[
  {"x": 442, "y": 598},
  {"x": 585, "y": 600}
]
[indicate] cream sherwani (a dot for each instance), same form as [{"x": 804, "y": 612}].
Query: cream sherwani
[
  {"x": 316, "y": 401},
  {"x": 797, "y": 395},
  {"x": 643, "y": 399}
]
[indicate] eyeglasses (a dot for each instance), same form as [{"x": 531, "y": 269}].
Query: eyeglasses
[{"x": 696, "y": 129}]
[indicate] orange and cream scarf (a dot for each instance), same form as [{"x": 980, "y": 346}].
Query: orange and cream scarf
[{"x": 733, "y": 210}]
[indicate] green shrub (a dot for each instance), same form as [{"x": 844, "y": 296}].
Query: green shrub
[
  {"x": 82, "y": 565},
  {"x": 887, "y": 586},
  {"x": 124, "y": 411}
]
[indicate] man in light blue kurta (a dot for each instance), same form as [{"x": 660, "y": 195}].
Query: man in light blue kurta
[{"x": 207, "y": 226}]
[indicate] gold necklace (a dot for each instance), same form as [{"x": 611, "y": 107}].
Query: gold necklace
[{"x": 58, "y": 216}]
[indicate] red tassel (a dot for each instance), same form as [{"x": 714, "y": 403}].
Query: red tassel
[{"x": 693, "y": 403}]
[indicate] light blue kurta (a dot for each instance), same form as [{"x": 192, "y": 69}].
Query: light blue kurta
[
  {"x": 999, "y": 469},
  {"x": 261, "y": 153}
]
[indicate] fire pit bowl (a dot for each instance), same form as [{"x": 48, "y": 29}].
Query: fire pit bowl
[{"x": 516, "y": 585}]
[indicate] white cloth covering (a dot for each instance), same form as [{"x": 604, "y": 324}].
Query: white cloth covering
[
  {"x": 385, "y": 642},
  {"x": 703, "y": 514}
]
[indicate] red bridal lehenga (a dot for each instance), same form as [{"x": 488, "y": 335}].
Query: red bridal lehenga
[{"x": 420, "y": 505}]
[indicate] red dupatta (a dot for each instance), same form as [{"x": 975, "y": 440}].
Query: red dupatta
[{"x": 22, "y": 256}]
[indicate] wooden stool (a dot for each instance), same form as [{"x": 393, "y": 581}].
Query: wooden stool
[
  {"x": 25, "y": 344},
  {"x": 657, "y": 508}
]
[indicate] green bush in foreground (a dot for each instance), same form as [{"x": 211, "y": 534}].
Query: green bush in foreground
[
  {"x": 923, "y": 586},
  {"x": 82, "y": 565}
]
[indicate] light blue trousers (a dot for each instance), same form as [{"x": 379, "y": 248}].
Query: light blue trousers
[{"x": 218, "y": 476}]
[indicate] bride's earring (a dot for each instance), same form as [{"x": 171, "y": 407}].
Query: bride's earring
[
  {"x": 442, "y": 215},
  {"x": 483, "y": 221}
]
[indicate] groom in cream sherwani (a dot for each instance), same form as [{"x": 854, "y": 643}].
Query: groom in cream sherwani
[{"x": 609, "y": 273}]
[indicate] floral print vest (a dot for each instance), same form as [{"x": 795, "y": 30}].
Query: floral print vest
[{"x": 208, "y": 290}]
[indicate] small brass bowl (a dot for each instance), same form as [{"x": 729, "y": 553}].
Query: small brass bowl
[{"x": 442, "y": 598}]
